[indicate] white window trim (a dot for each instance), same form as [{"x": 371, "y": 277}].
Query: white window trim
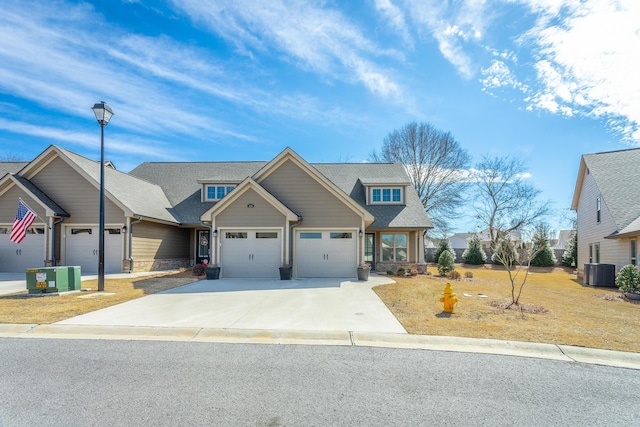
[
  {"x": 205, "y": 191},
  {"x": 381, "y": 202},
  {"x": 395, "y": 247}
]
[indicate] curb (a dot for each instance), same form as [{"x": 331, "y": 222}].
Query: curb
[{"x": 334, "y": 338}]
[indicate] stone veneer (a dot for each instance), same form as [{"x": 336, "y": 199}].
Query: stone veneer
[{"x": 156, "y": 264}]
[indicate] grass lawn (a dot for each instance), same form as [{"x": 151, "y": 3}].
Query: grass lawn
[
  {"x": 18, "y": 308},
  {"x": 558, "y": 309}
]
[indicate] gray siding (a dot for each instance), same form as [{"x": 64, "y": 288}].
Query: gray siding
[
  {"x": 75, "y": 194},
  {"x": 9, "y": 206},
  {"x": 152, "y": 241},
  {"x": 263, "y": 214},
  {"x": 612, "y": 251},
  {"x": 305, "y": 196}
]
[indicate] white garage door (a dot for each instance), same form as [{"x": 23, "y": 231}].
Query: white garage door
[
  {"x": 326, "y": 254},
  {"x": 82, "y": 249},
  {"x": 16, "y": 258},
  {"x": 250, "y": 253}
]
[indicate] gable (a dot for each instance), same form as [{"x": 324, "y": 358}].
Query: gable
[
  {"x": 317, "y": 205},
  {"x": 616, "y": 175},
  {"x": 9, "y": 205},
  {"x": 74, "y": 193},
  {"x": 250, "y": 208}
]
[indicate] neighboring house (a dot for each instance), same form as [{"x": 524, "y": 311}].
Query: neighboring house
[
  {"x": 607, "y": 202},
  {"x": 561, "y": 242},
  {"x": 248, "y": 217},
  {"x": 461, "y": 240}
]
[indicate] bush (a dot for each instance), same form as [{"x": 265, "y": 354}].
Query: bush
[
  {"x": 505, "y": 253},
  {"x": 453, "y": 275},
  {"x": 545, "y": 257},
  {"x": 391, "y": 272},
  {"x": 445, "y": 263},
  {"x": 474, "y": 254},
  {"x": 198, "y": 270},
  {"x": 570, "y": 254},
  {"x": 444, "y": 245},
  {"x": 468, "y": 275},
  {"x": 401, "y": 272},
  {"x": 628, "y": 280}
]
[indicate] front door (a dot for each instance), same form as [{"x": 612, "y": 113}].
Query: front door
[
  {"x": 203, "y": 247},
  {"x": 369, "y": 252}
]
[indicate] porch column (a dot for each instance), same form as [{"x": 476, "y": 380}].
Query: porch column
[{"x": 420, "y": 238}]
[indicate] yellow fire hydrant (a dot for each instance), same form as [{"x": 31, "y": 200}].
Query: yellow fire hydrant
[{"x": 448, "y": 298}]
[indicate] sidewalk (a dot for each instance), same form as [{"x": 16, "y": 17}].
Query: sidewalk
[
  {"x": 342, "y": 338},
  {"x": 11, "y": 283}
]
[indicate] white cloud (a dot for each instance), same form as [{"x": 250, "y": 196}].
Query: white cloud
[
  {"x": 453, "y": 27},
  {"x": 588, "y": 59},
  {"x": 395, "y": 16},
  {"x": 498, "y": 75},
  {"x": 147, "y": 80},
  {"x": 317, "y": 39}
]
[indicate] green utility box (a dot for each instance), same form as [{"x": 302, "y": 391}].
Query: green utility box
[{"x": 53, "y": 279}]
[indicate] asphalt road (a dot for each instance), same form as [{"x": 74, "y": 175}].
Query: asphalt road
[{"x": 51, "y": 382}]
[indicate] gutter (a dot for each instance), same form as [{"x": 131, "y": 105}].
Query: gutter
[{"x": 53, "y": 241}]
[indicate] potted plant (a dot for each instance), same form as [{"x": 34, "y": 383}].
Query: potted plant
[
  {"x": 628, "y": 281},
  {"x": 212, "y": 272},
  {"x": 285, "y": 271},
  {"x": 363, "y": 271}
]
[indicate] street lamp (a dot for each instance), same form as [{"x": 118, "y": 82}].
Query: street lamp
[{"x": 103, "y": 115}]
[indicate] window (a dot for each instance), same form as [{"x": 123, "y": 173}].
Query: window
[
  {"x": 386, "y": 195},
  {"x": 341, "y": 235},
  {"x": 217, "y": 192},
  {"x": 394, "y": 247},
  {"x": 598, "y": 206},
  {"x": 266, "y": 235},
  {"x": 81, "y": 231},
  {"x": 597, "y": 245},
  {"x": 311, "y": 235},
  {"x": 590, "y": 253},
  {"x": 235, "y": 235},
  {"x": 634, "y": 256}
]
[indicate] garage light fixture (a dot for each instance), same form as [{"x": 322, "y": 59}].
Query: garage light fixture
[
  {"x": 360, "y": 233},
  {"x": 215, "y": 233},
  {"x": 103, "y": 115}
]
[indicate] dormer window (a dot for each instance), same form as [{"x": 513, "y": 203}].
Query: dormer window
[
  {"x": 216, "y": 192},
  {"x": 392, "y": 195}
]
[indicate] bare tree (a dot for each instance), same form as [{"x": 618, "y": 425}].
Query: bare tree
[
  {"x": 517, "y": 260},
  {"x": 504, "y": 201},
  {"x": 11, "y": 157},
  {"x": 434, "y": 162}
]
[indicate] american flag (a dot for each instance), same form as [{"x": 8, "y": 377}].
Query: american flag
[{"x": 24, "y": 219}]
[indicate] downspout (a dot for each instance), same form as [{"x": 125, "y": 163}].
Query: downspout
[
  {"x": 53, "y": 241},
  {"x": 290, "y": 255},
  {"x": 131, "y": 243}
]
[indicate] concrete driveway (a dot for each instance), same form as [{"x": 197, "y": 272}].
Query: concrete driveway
[{"x": 300, "y": 304}]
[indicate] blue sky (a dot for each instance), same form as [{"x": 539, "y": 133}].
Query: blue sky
[{"x": 544, "y": 80}]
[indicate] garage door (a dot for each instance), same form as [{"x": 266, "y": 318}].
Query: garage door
[
  {"x": 250, "y": 253},
  {"x": 16, "y": 258},
  {"x": 326, "y": 254},
  {"x": 82, "y": 249}
]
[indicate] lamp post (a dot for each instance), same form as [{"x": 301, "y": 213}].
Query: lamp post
[{"x": 103, "y": 115}]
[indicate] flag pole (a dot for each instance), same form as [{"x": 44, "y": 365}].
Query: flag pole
[{"x": 25, "y": 203}]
